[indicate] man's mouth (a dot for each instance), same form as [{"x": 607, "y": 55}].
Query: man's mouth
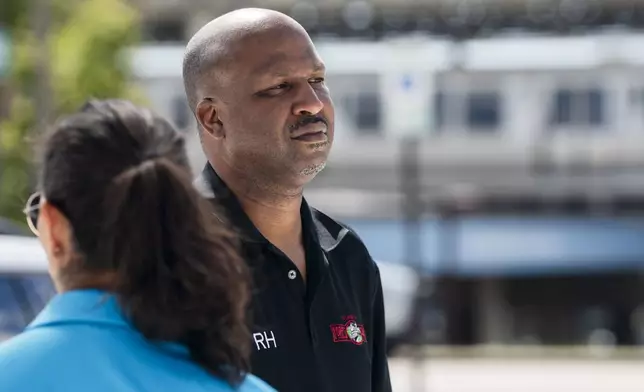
[{"x": 311, "y": 133}]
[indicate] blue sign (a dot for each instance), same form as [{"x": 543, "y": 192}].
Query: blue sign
[
  {"x": 5, "y": 52},
  {"x": 407, "y": 82}
]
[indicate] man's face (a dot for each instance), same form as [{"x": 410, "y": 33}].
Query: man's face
[{"x": 275, "y": 108}]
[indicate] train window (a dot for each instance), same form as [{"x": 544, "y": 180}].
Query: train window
[
  {"x": 583, "y": 107},
  {"x": 595, "y": 107},
  {"x": 475, "y": 111},
  {"x": 368, "y": 111},
  {"x": 439, "y": 110},
  {"x": 447, "y": 111},
  {"x": 358, "y": 101},
  {"x": 562, "y": 113},
  {"x": 483, "y": 111},
  {"x": 636, "y": 97},
  {"x": 365, "y": 110}
]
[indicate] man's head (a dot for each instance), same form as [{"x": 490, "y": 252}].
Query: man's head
[{"x": 256, "y": 85}]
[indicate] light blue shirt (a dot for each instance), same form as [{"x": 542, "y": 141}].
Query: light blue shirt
[{"x": 81, "y": 342}]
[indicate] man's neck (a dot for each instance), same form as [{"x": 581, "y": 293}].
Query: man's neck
[
  {"x": 280, "y": 224},
  {"x": 275, "y": 212}
]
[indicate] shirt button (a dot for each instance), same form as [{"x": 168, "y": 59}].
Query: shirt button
[{"x": 292, "y": 274}]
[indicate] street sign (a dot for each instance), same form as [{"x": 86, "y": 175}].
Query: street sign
[
  {"x": 5, "y": 53},
  {"x": 408, "y": 102}
]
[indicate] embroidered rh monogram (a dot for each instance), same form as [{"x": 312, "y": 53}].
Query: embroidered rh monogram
[{"x": 262, "y": 339}]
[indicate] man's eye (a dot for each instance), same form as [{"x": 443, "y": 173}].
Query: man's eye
[
  {"x": 280, "y": 87},
  {"x": 316, "y": 80},
  {"x": 273, "y": 91}
]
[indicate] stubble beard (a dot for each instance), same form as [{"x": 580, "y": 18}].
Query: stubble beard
[{"x": 313, "y": 170}]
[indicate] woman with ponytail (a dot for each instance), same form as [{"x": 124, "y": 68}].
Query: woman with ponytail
[{"x": 152, "y": 294}]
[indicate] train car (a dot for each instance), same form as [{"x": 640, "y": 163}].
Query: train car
[{"x": 487, "y": 114}]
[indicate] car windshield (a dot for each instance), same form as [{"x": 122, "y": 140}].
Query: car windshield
[{"x": 22, "y": 296}]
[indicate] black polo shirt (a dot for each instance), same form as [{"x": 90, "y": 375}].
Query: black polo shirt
[{"x": 327, "y": 335}]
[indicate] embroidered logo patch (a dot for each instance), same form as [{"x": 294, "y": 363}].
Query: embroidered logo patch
[{"x": 350, "y": 331}]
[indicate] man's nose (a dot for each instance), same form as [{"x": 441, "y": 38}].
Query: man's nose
[{"x": 307, "y": 102}]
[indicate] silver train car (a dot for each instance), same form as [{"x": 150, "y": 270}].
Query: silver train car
[{"x": 479, "y": 110}]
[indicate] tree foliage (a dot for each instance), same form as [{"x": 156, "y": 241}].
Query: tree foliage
[{"x": 86, "y": 45}]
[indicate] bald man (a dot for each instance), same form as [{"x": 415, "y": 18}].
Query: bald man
[{"x": 256, "y": 86}]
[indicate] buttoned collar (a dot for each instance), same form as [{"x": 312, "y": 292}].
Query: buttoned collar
[{"x": 325, "y": 232}]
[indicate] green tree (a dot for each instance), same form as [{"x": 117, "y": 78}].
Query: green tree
[{"x": 86, "y": 59}]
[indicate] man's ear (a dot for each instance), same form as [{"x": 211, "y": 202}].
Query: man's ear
[{"x": 208, "y": 118}]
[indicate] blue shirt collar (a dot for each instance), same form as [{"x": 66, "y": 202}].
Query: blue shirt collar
[{"x": 90, "y": 307}]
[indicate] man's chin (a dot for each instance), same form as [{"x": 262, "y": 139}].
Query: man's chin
[
  {"x": 321, "y": 146},
  {"x": 312, "y": 170}
]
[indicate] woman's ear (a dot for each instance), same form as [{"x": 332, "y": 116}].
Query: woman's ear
[{"x": 56, "y": 236}]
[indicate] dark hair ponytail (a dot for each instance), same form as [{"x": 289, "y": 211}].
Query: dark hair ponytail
[
  {"x": 171, "y": 277},
  {"x": 135, "y": 214}
]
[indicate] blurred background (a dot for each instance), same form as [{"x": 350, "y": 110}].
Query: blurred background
[{"x": 489, "y": 152}]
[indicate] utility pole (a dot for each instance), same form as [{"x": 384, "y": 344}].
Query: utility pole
[{"x": 413, "y": 209}]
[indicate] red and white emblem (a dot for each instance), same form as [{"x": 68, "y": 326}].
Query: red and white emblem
[{"x": 350, "y": 331}]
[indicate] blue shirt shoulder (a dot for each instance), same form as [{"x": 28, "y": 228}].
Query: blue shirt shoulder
[{"x": 81, "y": 342}]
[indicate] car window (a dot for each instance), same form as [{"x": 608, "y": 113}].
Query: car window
[{"x": 22, "y": 297}]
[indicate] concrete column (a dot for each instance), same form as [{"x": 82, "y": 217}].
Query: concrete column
[{"x": 495, "y": 318}]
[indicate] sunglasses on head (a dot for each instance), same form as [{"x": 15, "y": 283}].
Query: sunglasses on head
[{"x": 32, "y": 211}]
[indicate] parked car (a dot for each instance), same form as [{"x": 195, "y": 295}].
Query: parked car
[
  {"x": 9, "y": 227},
  {"x": 400, "y": 284},
  {"x": 25, "y": 286}
]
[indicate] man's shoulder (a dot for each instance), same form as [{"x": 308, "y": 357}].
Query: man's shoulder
[
  {"x": 347, "y": 249},
  {"x": 339, "y": 230},
  {"x": 35, "y": 356},
  {"x": 337, "y": 236}
]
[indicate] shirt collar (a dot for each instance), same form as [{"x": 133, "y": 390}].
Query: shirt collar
[
  {"x": 323, "y": 230},
  {"x": 91, "y": 306},
  {"x": 81, "y": 306}
]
